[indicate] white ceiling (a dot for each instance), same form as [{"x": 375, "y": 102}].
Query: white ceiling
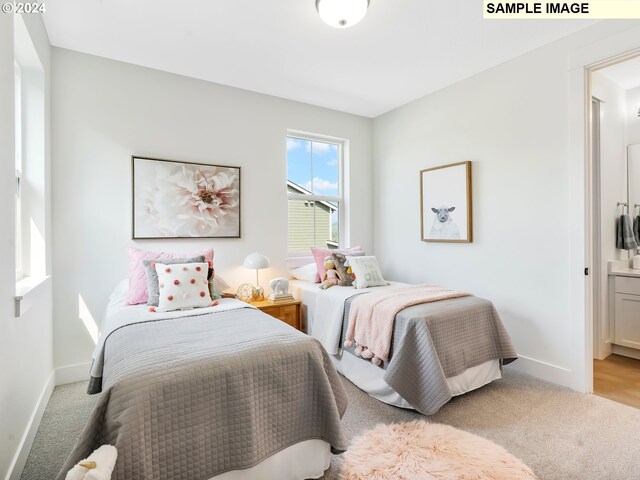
[
  {"x": 402, "y": 50},
  {"x": 625, "y": 74}
]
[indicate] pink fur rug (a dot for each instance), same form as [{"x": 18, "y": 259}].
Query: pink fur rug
[{"x": 427, "y": 451}]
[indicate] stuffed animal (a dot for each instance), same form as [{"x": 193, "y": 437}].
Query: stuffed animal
[
  {"x": 345, "y": 274},
  {"x": 331, "y": 277},
  {"x": 97, "y": 466}
]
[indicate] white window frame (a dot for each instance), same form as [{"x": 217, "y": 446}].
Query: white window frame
[
  {"x": 18, "y": 167},
  {"x": 340, "y": 199}
]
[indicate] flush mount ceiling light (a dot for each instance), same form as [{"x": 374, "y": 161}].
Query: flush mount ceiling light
[{"x": 342, "y": 13}]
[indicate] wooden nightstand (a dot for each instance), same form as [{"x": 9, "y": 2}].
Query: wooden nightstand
[{"x": 289, "y": 312}]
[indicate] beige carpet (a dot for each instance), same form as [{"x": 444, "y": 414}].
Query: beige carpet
[{"x": 560, "y": 434}]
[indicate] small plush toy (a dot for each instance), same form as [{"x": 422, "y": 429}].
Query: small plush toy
[
  {"x": 345, "y": 274},
  {"x": 331, "y": 277},
  {"x": 97, "y": 466}
]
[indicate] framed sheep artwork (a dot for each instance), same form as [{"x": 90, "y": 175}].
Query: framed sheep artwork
[
  {"x": 175, "y": 199},
  {"x": 445, "y": 203}
]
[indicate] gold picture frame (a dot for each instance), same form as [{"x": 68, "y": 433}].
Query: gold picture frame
[{"x": 444, "y": 190}]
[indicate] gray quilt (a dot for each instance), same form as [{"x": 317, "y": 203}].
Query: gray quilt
[
  {"x": 434, "y": 341},
  {"x": 193, "y": 397}
]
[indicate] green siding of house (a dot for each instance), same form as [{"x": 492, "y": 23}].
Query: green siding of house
[{"x": 302, "y": 216}]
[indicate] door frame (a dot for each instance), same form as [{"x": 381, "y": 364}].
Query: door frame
[{"x": 616, "y": 48}]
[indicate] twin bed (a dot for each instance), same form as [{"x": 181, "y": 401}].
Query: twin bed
[
  {"x": 227, "y": 392},
  {"x": 439, "y": 349},
  {"x": 224, "y": 392}
]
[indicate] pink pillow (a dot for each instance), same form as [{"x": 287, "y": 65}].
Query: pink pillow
[
  {"x": 138, "y": 276},
  {"x": 319, "y": 254}
]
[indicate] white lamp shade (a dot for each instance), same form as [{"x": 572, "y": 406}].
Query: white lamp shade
[
  {"x": 342, "y": 13},
  {"x": 256, "y": 261}
]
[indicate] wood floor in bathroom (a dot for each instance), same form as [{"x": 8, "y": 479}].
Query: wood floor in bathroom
[{"x": 618, "y": 378}]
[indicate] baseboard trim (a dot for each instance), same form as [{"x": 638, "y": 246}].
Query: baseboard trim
[
  {"x": 20, "y": 458},
  {"x": 626, "y": 351},
  {"x": 545, "y": 371},
  {"x": 72, "y": 373}
]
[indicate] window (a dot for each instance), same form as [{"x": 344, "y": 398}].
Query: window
[
  {"x": 314, "y": 189},
  {"x": 30, "y": 154},
  {"x": 18, "y": 155}
]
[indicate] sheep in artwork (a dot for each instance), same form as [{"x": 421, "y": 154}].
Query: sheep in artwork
[{"x": 444, "y": 227}]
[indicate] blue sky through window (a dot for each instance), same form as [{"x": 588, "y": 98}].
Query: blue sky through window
[{"x": 313, "y": 165}]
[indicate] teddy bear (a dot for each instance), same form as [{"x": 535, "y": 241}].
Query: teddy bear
[{"x": 331, "y": 276}]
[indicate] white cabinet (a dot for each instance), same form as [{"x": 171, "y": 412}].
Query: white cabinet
[{"x": 627, "y": 311}]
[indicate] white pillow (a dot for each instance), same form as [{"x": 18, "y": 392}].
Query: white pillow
[
  {"x": 308, "y": 273},
  {"x": 183, "y": 285},
  {"x": 367, "y": 271}
]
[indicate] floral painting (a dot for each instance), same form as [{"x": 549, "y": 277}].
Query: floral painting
[{"x": 174, "y": 199}]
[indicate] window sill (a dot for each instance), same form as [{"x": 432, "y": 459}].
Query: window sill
[{"x": 28, "y": 290}]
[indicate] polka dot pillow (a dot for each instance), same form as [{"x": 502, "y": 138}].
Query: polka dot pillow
[{"x": 182, "y": 286}]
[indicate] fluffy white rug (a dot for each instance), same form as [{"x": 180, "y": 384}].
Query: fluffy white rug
[{"x": 426, "y": 451}]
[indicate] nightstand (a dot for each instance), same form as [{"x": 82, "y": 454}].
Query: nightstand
[{"x": 289, "y": 311}]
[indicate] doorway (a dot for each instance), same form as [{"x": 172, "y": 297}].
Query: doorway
[{"x": 615, "y": 207}]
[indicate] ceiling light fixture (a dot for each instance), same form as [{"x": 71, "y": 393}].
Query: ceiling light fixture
[{"x": 342, "y": 13}]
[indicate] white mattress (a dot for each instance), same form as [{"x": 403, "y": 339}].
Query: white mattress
[
  {"x": 322, "y": 319},
  {"x": 308, "y": 459}
]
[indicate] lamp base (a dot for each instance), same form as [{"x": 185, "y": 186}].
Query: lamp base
[{"x": 258, "y": 294}]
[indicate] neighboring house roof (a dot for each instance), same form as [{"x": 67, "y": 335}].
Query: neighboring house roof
[{"x": 298, "y": 189}]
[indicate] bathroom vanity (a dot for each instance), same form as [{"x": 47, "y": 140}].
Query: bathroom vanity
[{"x": 624, "y": 308}]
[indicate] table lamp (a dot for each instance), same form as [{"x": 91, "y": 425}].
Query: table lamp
[{"x": 256, "y": 261}]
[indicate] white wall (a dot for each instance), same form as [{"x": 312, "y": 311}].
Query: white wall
[
  {"x": 26, "y": 375},
  {"x": 105, "y": 111},
  {"x": 613, "y": 148},
  {"x": 633, "y": 138},
  {"x": 613, "y": 189},
  {"x": 633, "y": 120},
  {"x": 512, "y": 122}
]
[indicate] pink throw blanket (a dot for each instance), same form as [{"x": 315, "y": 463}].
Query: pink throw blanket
[{"x": 373, "y": 315}]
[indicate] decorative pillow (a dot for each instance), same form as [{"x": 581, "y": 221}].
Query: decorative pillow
[
  {"x": 308, "y": 273},
  {"x": 367, "y": 271},
  {"x": 342, "y": 266},
  {"x": 138, "y": 277},
  {"x": 183, "y": 285},
  {"x": 152, "y": 277},
  {"x": 319, "y": 254}
]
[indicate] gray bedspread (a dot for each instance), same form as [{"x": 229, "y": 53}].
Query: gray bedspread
[
  {"x": 190, "y": 398},
  {"x": 434, "y": 341}
]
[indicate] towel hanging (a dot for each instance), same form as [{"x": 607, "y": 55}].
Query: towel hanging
[{"x": 625, "y": 238}]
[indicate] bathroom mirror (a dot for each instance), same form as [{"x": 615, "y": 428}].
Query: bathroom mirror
[{"x": 633, "y": 178}]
